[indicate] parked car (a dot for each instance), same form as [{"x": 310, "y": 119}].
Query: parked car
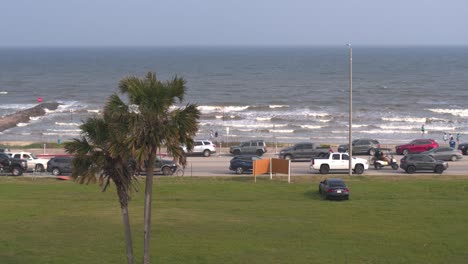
[
  {"x": 161, "y": 166},
  {"x": 334, "y": 188},
  {"x": 303, "y": 151},
  {"x": 416, "y": 146},
  {"x": 243, "y": 163},
  {"x": 444, "y": 153},
  {"x": 34, "y": 163},
  {"x": 417, "y": 162},
  {"x": 14, "y": 166},
  {"x": 464, "y": 148},
  {"x": 60, "y": 165},
  {"x": 339, "y": 162},
  {"x": 257, "y": 147},
  {"x": 361, "y": 146},
  {"x": 201, "y": 146}
]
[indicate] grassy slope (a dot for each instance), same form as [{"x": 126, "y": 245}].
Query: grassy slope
[{"x": 210, "y": 220}]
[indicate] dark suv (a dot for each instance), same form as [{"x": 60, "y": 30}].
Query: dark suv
[
  {"x": 12, "y": 165},
  {"x": 464, "y": 148},
  {"x": 257, "y": 147},
  {"x": 416, "y": 162},
  {"x": 60, "y": 165},
  {"x": 361, "y": 146}
]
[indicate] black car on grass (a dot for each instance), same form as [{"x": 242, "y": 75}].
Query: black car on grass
[
  {"x": 334, "y": 188},
  {"x": 422, "y": 162}
]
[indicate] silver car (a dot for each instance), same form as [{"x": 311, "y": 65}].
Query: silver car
[{"x": 444, "y": 153}]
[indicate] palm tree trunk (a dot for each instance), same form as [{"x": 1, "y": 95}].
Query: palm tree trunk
[
  {"x": 148, "y": 197},
  {"x": 128, "y": 235}
]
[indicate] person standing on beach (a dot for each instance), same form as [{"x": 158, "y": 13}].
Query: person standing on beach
[
  {"x": 422, "y": 130},
  {"x": 445, "y": 137},
  {"x": 458, "y": 138},
  {"x": 452, "y": 143}
]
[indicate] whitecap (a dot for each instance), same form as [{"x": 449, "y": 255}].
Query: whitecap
[
  {"x": 454, "y": 112},
  {"x": 311, "y": 126},
  {"x": 405, "y": 119},
  {"x": 281, "y": 130},
  {"x": 278, "y": 106},
  {"x": 66, "y": 124},
  {"x": 316, "y": 114}
]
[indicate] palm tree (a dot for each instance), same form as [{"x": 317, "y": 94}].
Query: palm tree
[
  {"x": 154, "y": 122},
  {"x": 100, "y": 151}
]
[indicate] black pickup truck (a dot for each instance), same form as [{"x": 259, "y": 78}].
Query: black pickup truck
[
  {"x": 303, "y": 151},
  {"x": 9, "y": 165}
]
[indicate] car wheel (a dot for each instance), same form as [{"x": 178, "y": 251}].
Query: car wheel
[
  {"x": 324, "y": 169},
  {"x": 453, "y": 158},
  {"x": 56, "y": 171},
  {"x": 346, "y": 198},
  {"x": 371, "y": 152},
  {"x": 206, "y": 153},
  {"x": 236, "y": 152},
  {"x": 359, "y": 169},
  {"x": 239, "y": 170},
  {"x": 287, "y": 157},
  {"x": 377, "y": 166},
  {"x": 17, "y": 171},
  {"x": 259, "y": 152},
  {"x": 411, "y": 169},
  {"x": 439, "y": 169},
  {"x": 405, "y": 152},
  {"x": 39, "y": 168},
  {"x": 395, "y": 166},
  {"x": 166, "y": 171}
]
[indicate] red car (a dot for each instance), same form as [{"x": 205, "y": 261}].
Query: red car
[{"x": 417, "y": 146}]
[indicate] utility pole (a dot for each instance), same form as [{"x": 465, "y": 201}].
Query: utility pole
[{"x": 350, "y": 148}]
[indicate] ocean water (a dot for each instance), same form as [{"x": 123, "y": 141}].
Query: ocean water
[{"x": 285, "y": 94}]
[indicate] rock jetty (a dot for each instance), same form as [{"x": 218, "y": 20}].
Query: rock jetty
[{"x": 24, "y": 116}]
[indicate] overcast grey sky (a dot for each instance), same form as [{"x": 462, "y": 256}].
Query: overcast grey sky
[{"x": 232, "y": 22}]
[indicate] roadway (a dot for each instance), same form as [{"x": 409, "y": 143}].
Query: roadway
[{"x": 218, "y": 165}]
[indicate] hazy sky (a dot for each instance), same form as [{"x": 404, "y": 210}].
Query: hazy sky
[{"x": 232, "y": 22}]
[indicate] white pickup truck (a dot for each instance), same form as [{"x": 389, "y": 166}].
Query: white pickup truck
[
  {"x": 34, "y": 163},
  {"x": 338, "y": 162}
]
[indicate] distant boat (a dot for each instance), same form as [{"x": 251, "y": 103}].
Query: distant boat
[{"x": 3, "y": 92}]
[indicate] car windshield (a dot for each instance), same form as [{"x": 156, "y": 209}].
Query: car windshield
[
  {"x": 33, "y": 156},
  {"x": 337, "y": 184}
]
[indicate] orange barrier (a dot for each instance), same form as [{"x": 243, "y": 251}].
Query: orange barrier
[
  {"x": 280, "y": 166},
  {"x": 271, "y": 165}
]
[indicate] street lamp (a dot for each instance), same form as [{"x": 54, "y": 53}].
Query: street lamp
[{"x": 350, "y": 136}]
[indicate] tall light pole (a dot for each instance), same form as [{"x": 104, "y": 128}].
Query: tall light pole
[{"x": 350, "y": 148}]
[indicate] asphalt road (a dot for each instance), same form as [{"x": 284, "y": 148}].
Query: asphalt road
[{"x": 218, "y": 165}]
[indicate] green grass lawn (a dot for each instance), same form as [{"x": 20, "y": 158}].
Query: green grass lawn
[{"x": 233, "y": 220}]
